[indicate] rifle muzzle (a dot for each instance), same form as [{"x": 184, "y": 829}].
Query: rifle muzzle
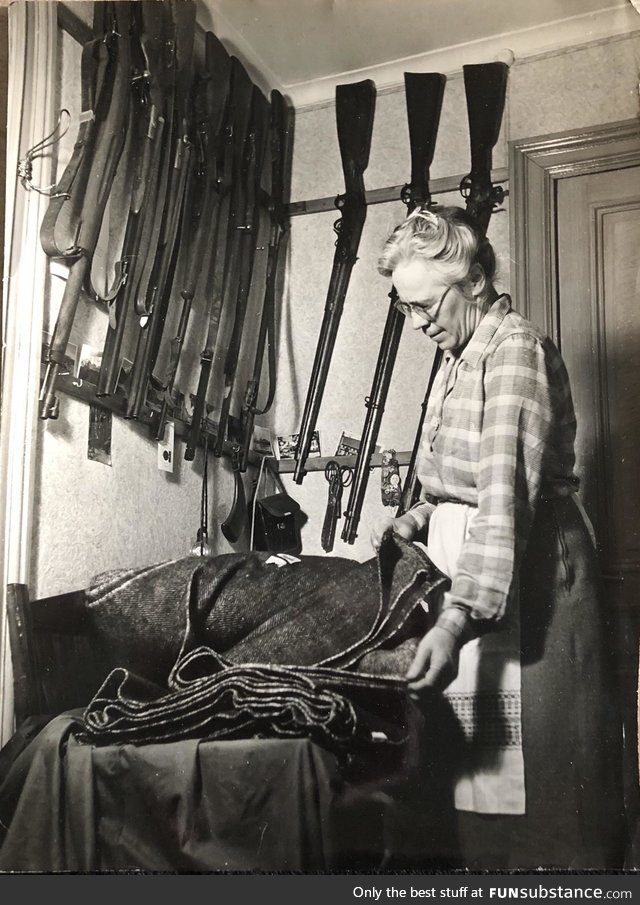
[{"x": 49, "y": 403}]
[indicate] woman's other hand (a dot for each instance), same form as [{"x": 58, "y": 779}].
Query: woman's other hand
[
  {"x": 435, "y": 664},
  {"x": 405, "y": 527}
]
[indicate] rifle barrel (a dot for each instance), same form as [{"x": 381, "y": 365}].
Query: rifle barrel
[
  {"x": 411, "y": 492},
  {"x": 321, "y": 363},
  {"x": 424, "y": 93},
  {"x": 375, "y": 404},
  {"x": 355, "y": 105}
]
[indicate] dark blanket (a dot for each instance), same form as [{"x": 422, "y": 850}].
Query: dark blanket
[
  {"x": 321, "y": 610},
  {"x": 235, "y": 645},
  {"x": 208, "y": 698}
]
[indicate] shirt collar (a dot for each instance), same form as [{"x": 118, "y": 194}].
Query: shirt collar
[{"x": 486, "y": 329}]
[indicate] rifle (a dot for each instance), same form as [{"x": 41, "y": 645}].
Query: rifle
[
  {"x": 280, "y": 150},
  {"x": 222, "y": 276},
  {"x": 255, "y": 146},
  {"x": 485, "y": 87},
  {"x": 355, "y": 105},
  {"x": 154, "y": 309},
  {"x": 153, "y": 86},
  {"x": 108, "y": 146},
  {"x": 254, "y": 151},
  {"x": 424, "y": 93},
  {"x": 215, "y": 95}
]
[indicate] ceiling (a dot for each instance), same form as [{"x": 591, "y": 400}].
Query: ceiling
[{"x": 306, "y": 47}]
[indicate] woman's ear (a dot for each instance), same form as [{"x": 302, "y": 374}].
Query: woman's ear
[{"x": 477, "y": 280}]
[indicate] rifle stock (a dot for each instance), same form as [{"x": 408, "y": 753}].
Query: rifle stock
[
  {"x": 424, "y": 93},
  {"x": 355, "y": 105},
  {"x": 234, "y": 524},
  {"x": 485, "y": 86}
]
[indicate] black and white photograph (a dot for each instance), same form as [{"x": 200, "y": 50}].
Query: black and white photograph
[{"x": 404, "y": 230}]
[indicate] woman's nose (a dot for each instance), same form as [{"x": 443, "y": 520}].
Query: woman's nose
[{"x": 417, "y": 321}]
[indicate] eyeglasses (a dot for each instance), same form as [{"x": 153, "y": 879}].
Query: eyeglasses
[{"x": 425, "y": 309}]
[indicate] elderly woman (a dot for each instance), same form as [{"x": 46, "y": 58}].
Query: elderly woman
[{"x": 519, "y": 646}]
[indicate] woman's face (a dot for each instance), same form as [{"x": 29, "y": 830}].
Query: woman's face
[{"x": 446, "y": 314}]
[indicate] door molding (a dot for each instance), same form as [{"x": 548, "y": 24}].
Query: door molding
[{"x": 536, "y": 165}]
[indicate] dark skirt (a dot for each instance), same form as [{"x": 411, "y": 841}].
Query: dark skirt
[{"x": 572, "y": 737}]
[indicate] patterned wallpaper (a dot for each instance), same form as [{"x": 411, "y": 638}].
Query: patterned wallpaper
[{"x": 91, "y": 517}]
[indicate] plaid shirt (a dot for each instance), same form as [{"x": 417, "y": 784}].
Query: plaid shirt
[{"x": 498, "y": 434}]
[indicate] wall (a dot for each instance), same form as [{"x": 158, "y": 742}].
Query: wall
[
  {"x": 91, "y": 517},
  {"x": 571, "y": 90}
]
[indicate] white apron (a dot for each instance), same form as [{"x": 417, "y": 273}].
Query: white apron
[{"x": 485, "y": 696}]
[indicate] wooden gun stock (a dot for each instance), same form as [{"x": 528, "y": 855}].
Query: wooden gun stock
[
  {"x": 424, "y": 94},
  {"x": 355, "y": 105},
  {"x": 485, "y": 86}
]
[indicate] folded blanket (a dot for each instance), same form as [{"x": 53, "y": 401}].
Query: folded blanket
[
  {"x": 211, "y": 698},
  {"x": 325, "y": 610},
  {"x": 260, "y": 649}
]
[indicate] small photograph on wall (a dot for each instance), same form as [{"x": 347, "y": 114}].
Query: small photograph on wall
[
  {"x": 286, "y": 446},
  {"x": 90, "y": 361},
  {"x": 262, "y": 441},
  {"x": 349, "y": 446}
]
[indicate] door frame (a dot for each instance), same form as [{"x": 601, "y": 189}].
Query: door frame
[{"x": 536, "y": 165}]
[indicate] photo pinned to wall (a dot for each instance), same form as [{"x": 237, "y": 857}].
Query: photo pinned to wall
[
  {"x": 262, "y": 441},
  {"x": 90, "y": 362},
  {"x": 349, "y": 446},
  {"x": 100, "y": 425},
  {"x": 286, "y": 446}
]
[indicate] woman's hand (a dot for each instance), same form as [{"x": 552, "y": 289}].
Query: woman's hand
[
  {"x": 405, "y": 527},
  {"x": 435, "y": 664}
]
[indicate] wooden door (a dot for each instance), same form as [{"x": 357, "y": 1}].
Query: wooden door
[{"x": 598, "y": 270}]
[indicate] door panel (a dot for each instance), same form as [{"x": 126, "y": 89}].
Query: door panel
[{"x": 598, "y": 266}]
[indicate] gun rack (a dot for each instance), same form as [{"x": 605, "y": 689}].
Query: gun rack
[
  {"x": 391, "y": 193},
  {"x": 85, "y": 391},
  {"x": 287, "y": 466}
]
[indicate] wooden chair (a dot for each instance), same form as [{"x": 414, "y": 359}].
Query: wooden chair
[{"x": 58, "y": 664}]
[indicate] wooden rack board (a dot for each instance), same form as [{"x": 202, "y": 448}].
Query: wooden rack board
[{"x": 287, "y": 466}]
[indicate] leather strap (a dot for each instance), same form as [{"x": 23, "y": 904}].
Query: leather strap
[{"x": 59, "y": 226}]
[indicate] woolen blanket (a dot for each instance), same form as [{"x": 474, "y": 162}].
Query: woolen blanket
[{"x": 312, "y": 648}]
